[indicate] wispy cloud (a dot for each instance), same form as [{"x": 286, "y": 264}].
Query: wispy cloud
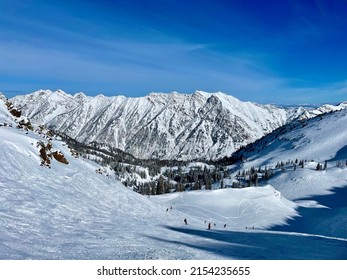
[
  {"x": 137, "y": 69},
  {"x": 124, "y": 49}
]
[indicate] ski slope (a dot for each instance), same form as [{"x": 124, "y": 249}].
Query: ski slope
[
  {"x": 80, "y": 211},
  {"x": 239, "y": 209},
  {"x": 319, "y": 195}
]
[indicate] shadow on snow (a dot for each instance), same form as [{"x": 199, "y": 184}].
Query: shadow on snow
[
  {"x": 341, "y": 154},
  {"x": 260, "y": 245},
  {"x": 331, "y": 221}
]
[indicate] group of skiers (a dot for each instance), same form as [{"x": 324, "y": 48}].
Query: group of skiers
[
  {"x": 208, "y": 226},
  {"x": 186, "y": 222}
]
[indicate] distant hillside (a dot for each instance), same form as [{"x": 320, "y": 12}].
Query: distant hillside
[{"x": 321, "y": 138}]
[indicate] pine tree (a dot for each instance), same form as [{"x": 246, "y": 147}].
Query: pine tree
[
  {"x": 266, "y": 174},
  {"x": 319, "y": 166},
  {"x": 208, "y": 183},
  {"x": 160, "y": 185},
  {"x": 180, "y": 187}
]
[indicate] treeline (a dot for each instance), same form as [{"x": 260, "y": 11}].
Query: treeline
[
  {"x": 180, "y": 179},
  {"x": 254, "y": 176},
  {"x": 177, "y": 176},
  {"x": 152, "y": 177},
  {"x": 126, "y": 166}
]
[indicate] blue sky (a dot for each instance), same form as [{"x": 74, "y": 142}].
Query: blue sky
[{"x": 262, "y": 51}]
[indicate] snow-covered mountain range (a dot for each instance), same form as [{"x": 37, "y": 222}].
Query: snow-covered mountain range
[
  {"x": 164, "y": 126},
  {"x": 78, "y": 210}
]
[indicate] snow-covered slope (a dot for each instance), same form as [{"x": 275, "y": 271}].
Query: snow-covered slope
[
  {"x": 236, "y": 208},
  {"x": 165, "y": 126},
  {"x": 79, "y": 211},
  {"x": 326, "y": 108},
  {"x": 320, "y": 194},
  {"x": 320, "y": 138}
]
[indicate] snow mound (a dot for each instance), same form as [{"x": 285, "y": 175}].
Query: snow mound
[{"x": 248, "y": 208}]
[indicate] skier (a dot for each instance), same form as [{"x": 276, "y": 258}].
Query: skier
[
  {"x": 225, "y": 225},
  {"x": 209, "y": 226},
  {"x": 185, "y": 221}
]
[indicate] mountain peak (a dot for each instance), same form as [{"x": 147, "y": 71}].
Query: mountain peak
[
  {"x": 203, "y": 93},
  {"x": 59, "y": 91},
  {"x": 79, "y": 95},
  {"x": 42, "y": 92},
  {"x": 2, "y": 96}
]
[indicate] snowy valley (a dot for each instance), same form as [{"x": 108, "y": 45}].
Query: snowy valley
[{"x": 78, "y": 209}]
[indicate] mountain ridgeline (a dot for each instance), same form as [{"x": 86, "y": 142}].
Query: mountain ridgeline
[{"x": 205, "y": 126}]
